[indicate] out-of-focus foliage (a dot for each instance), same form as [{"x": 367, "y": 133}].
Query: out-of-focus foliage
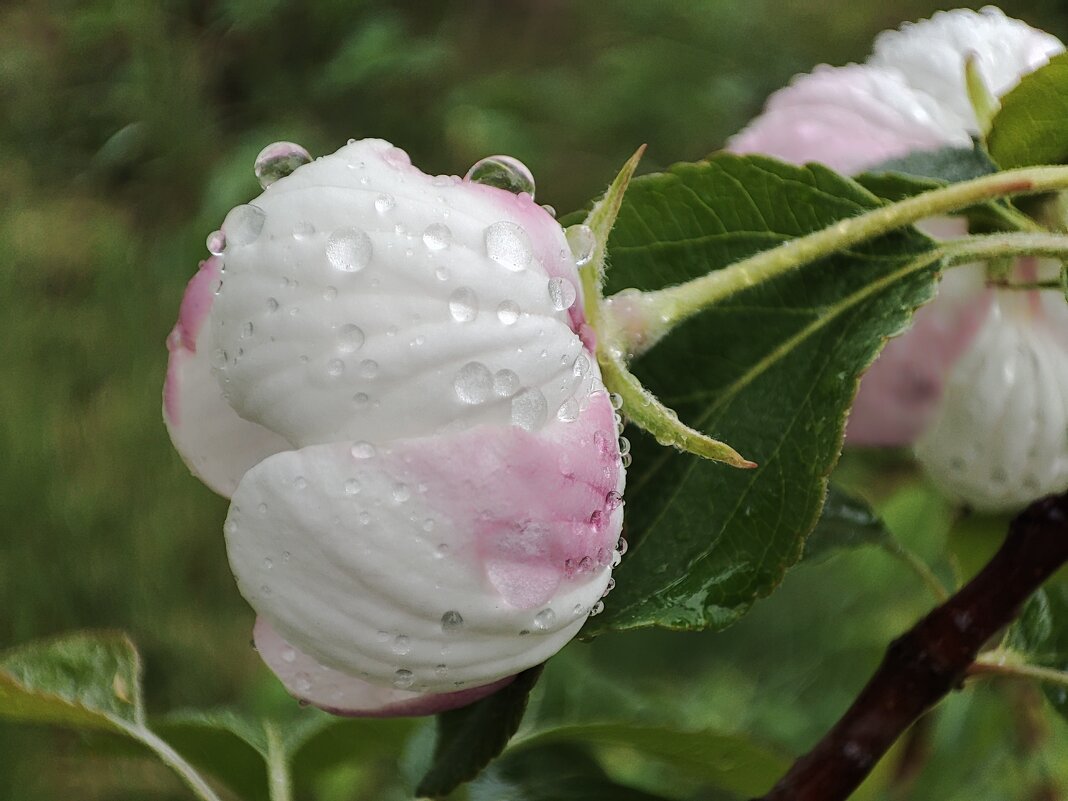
[{"x": 128, "y": 128}]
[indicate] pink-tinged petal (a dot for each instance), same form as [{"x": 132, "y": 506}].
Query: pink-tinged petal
[
  {"x": 848, "y": 118},
  {"x": 901, "y": 392},
  {"x": 358, "y": 290},
  {"x": 216, "y": 444},
  {"x": 931, "y": 56},
  {"x": 1000, "y": 439},
  {"x": 433, "y": 564},
  {"x": 342, "y": 694}
]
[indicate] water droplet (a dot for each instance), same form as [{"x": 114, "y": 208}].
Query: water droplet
[
  {"x": 550, "y": 210},
  {"x": 243, "y": 224},
  {"x": 335, "y": 367},
  {"x": 362, "y": 450},
  {"x": 530, "y": 409},
  {"x": 403, "y": 679},
  {"x": 349, "y": 249},
  {"x": 368, "y": 368},
  {"x": 437, "y": 236},
  {"x": 451, "y": 622},
  {"x": 508, "y": 245},
  {"x": 384, "y": 203},
  {"x": 401, "y": 493},
  {"x": 441, "y": 670},
  {"x": 216, "y": 243},
  {"x": 503, "y": 172},
  {"x": 463, "y": 305},
  {"x": 267, "y": 563},
  {"x": 616, "y": 400},
  {"x": 474, "y": 383},
  {"x": 624, "y": 446},
  {"x": 442, "y": 273},
  {"x": 613, "y": 500},
  {"x": 230, "y": 528},
  {"x": 278, "y": 160},
  {"x": 401, "y": 645},
  {"x": 349, "y": 338},
  {"x": 581, "y": 240},
  {"x": 562, "y": 293},
  {"x": 596, "y": 609},
  {"x": 508, "y": 312},
  {"x": 581, "y": 366},
  {"x": 397, "y": 158},
  {"x": 361, "y": 399},
  {"x": 544, "y": 620},
  {"x": 352, "y": 486},
  {"x": 303, "y": 686},
  {"x": 247, "y": 330},
  {"x": 218, "y": 358},
  {"x": 621, "y": 548},
  {"x": 505, "y": 383},
  {"x": 568, "y": 411},
  {"x": 303, "y": 230},
  {"x": 300, "y": 483},
  {"x": 441, "y": 551},
  {"x": 272, "y": 305},
  {"x": 330, "y": 293},
  {"x": 289, "y": 655}
]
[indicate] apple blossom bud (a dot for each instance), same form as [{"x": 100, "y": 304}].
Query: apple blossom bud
[
  {"x": 376, "y": 370},
  {"x": 965, "y": 382}
]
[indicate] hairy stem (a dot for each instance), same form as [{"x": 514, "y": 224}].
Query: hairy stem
[
  {"x": 279, "y": 781},
  {"x": 933, "y": 658},
  {"x": 664, "y": 309},
  {"x": 175, "y": 762},
  {"x": 917, "y": 566},
  {"x": 1007, "y": 663}
]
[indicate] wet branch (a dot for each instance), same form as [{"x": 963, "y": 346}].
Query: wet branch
[{"x": 931, "y": 659}]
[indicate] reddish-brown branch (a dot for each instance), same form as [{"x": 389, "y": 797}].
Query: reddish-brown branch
[{"x": 931, "y": 659}]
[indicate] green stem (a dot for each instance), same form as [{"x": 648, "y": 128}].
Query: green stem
[
  {"x": 653, "y": 314},
  {"x": 174, "y": 761},
  {"x": 280, "y": 784},
  {"x": 1007, "y": 663},
  {"x": 917, "y": 566},
  {"x": 1002, "y": 246}
]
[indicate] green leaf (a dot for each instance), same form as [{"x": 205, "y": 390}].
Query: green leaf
[
  {"x": 469, "y": 738},
  {"x": 771, "y": 370},
  {"x": 1041, "y": 635},
  {"x": 553, "y": 773},
  {"x": 947, "y": 165},
  {"x": 1030, "y": 128},
  {"x": 89, "y": 680},
  {"x": 729, "y": 762},
  {"x": 846, "y": 522}
]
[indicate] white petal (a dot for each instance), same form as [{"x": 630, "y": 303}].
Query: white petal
[
  {"x": 216, "y": 444},
  {"x": 341, "y": 694},
  {"x": 848, "y": 118},
  {"x": 931, "y": 55},
  {"x": 376, "y": 351},
  {"x": 1001, "y": 437},
  {"x": 434, "y": 564}
]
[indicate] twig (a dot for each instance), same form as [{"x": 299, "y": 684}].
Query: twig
[{"x": 931, "y": 659}]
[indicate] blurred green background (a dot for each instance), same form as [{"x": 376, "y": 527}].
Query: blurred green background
[{"x": 128, "y": 128}]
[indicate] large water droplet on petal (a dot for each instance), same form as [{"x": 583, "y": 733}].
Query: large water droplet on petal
[
  {"x": 474, "y": 383},
  {"x": 451, "y": 622},
  {"x": 544, "y": 620},
  {"x": 582, "y": 241},
  {"x": 508, "y": 312},
  {"x": 216, "y": 243},
  {"x": 243, "y": 224},
  {"x": 505, "y": 383},
  {"x": 463, "y": 304},
  {"x": 397, "y": 158},
  {"x": 349, "y": 338},
  {"x": 384, "y": 203},
  {"x": 437, "y": 236},
  {"x": 349, "y": 249},
  {"x": 530, "y": 409},
  {"x": 503, "y": 172},
  {"x": 562, "y": 294},
  {"x": 279, "y": 160},
  {"x": 508, "y": 245},
  {"x": 362, "y": 450},
  {"x": 403, "y": 679}
]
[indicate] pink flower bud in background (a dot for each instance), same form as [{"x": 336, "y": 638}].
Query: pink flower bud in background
[
  {"x": 979, "y": 383},
  {"x": 390, "y": 375}
]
